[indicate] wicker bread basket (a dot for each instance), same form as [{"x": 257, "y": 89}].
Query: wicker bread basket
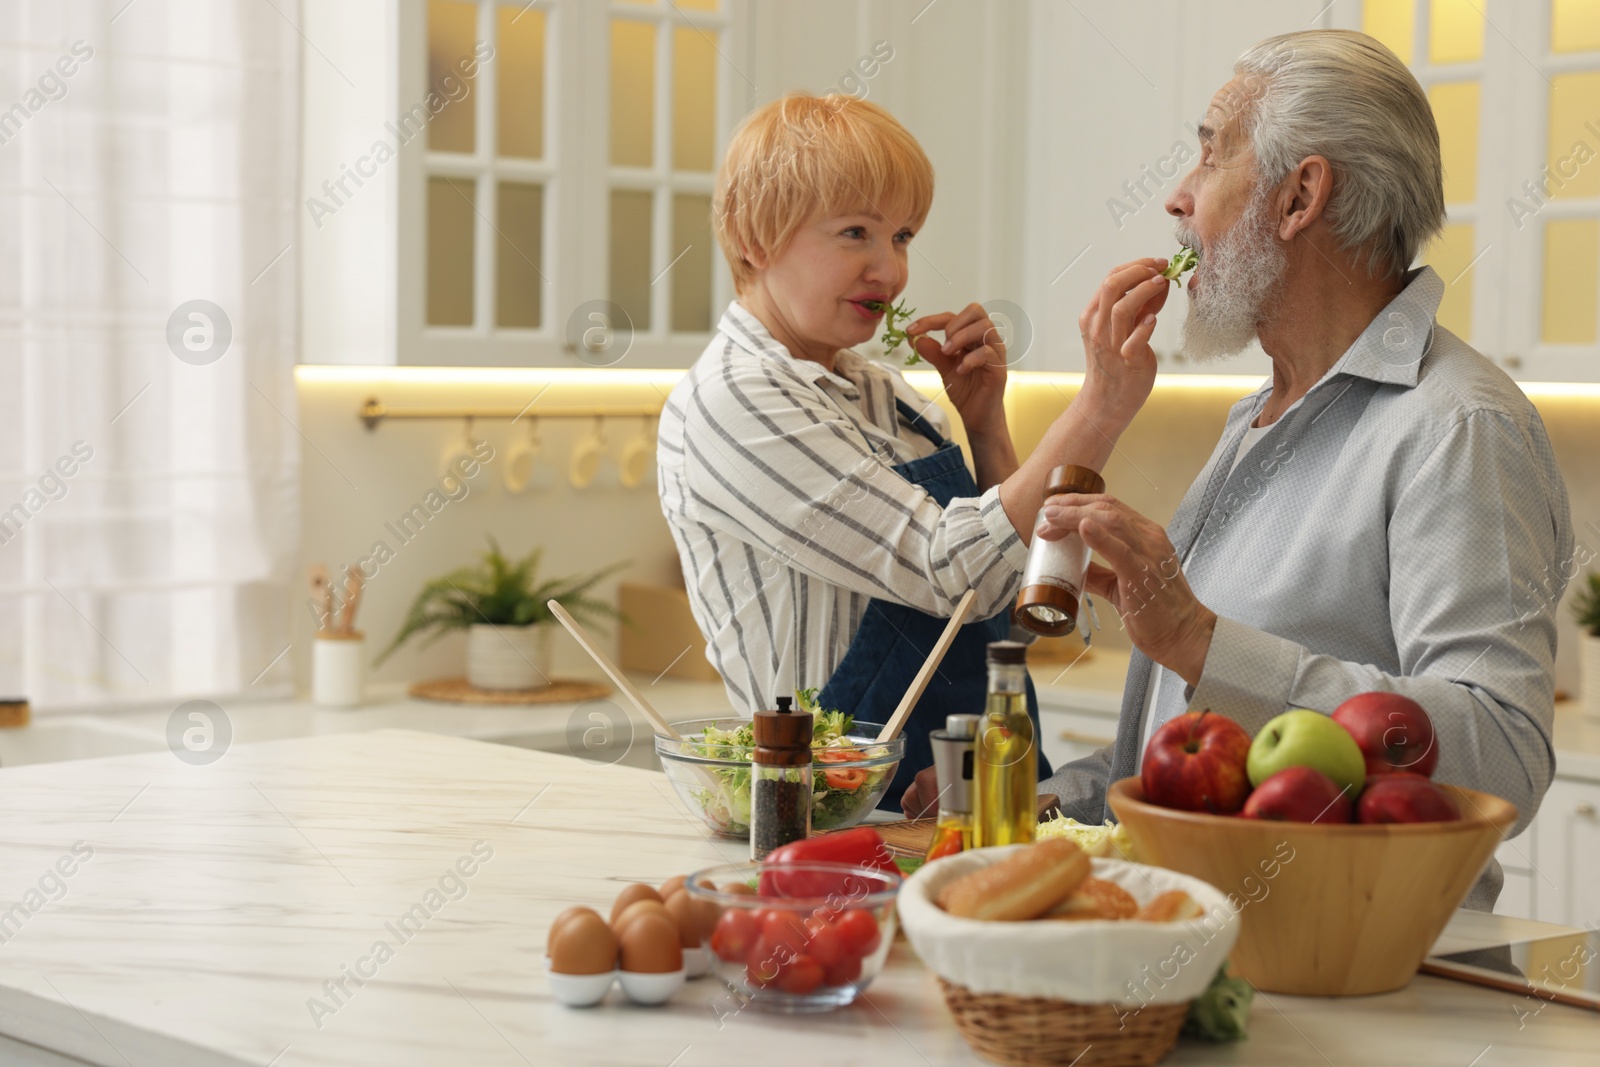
[{"x": 1059, "y": 993}]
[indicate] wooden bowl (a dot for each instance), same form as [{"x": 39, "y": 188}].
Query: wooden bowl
[{"x": 1326, "y": 910}]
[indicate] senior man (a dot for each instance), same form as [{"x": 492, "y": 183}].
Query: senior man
[{"x": 1386, "y": 512}]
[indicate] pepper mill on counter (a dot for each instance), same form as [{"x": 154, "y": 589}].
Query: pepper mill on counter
[
  {"x": 952, "y": 762},
  {"x": 780, "y": 778}
]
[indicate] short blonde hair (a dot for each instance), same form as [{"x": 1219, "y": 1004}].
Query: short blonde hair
[{"x": 807, "y": 155}]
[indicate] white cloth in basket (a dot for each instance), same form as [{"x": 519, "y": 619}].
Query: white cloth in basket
[{"x": 1126, "y": 963}]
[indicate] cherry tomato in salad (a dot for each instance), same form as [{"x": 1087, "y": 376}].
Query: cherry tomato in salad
[{"x": 846, "y": 778}]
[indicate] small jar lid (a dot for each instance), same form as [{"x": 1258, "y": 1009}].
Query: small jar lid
[
  {"x": 1071, "y": 479},
  {"x": 1008, "y": 652}
]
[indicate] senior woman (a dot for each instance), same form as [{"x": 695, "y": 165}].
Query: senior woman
[{"x": 826, "y": 523}]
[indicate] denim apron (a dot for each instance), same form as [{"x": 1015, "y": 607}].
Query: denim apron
[{"x": 893, "y": 641}]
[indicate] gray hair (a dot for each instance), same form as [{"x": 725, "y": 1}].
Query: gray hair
[{"x": 1342, "y": 95}]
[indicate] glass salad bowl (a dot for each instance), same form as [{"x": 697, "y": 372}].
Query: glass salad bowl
[
  {"x": 710, "y": 770},
  {"x": 800, "y": 937}
]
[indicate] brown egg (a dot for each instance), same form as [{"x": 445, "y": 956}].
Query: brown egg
[
  {"x": 651, "y": 945},
  {"x": 562, "y": 920},
  {"x": 743, "y": 889},
  {"x": 640, "y": 907},
  {"x": 671, "y": 885},
  {"x": 636, "y": 891},
  {"x": 583, "y": 945},
  {"x": 687, "y": 917}
]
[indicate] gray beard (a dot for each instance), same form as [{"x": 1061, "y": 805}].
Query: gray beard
[{"x": 1240, "y": 272}]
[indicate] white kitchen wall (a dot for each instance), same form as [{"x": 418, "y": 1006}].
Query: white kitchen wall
[{"x": 356, "y": 484}]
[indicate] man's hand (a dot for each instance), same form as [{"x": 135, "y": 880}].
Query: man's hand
[
  {"x": 1164, "y": 619},
  {"x": 1116, "y": 328},
  {"x": 921, "y": 798},
  {"x": 971, "y": 362}
]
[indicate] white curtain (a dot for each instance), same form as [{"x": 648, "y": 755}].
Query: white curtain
[{"x": 148, "y": 487}]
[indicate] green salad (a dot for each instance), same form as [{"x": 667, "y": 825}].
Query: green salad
[{"x": 838, "y": 793}]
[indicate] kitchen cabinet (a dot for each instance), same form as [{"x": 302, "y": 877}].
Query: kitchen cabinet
[
  {"x": 1566, "y": 881},
  {"x": 1070, "y": 735}
]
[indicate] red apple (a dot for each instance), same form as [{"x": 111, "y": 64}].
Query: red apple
[
  {"x": 1405, "y": 798},
  {"x": 1299, "y": 794},
  {"x": 1392, "y": 731},
  {"x": 1196, "y": 763}
]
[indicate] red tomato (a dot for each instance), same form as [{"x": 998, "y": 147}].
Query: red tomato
[
  {"x": 849, "y": 779},
  {"x": 800, "y": 976},
  {"x": 824, "y": 945},
  {"x": 782, "y": 937},
  {"x": 844, "y": 972},
  {"x": 735, "y": 933},
  {"x": 858, "y": 932},
  {"x": 837, "y": 755}
]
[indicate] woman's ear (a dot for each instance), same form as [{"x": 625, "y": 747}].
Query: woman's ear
[
  {"x": 1306, "y": 192},
  {"x": 754, "y": 256}
]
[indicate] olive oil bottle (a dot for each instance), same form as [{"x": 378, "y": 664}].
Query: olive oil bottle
[{"x": 1005, "y": 809}]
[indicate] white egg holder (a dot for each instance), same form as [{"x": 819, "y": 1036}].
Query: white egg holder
[{"x": 587, "y": 990}]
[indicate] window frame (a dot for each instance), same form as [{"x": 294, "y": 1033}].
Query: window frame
[
  {"x": 577, "y": 177},
  {"x": 1513, "y": 135}
]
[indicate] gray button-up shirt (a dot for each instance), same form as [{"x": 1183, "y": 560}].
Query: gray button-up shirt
[{"x": 1403, "y": 527}]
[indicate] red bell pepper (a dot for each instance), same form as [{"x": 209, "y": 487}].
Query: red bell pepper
[{"x": 862, "y": 847}]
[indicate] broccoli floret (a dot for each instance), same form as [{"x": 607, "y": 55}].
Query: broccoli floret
[{"x": 1185, "y": 259}]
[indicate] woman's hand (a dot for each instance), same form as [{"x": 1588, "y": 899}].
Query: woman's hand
[
  {"x": 971, "y": 361},
  {"x": 1164, "y": 619},
  {"x": 1116, "y": 328}
]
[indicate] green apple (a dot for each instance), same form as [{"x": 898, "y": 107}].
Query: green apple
[{"x": 1301, "y": 738}]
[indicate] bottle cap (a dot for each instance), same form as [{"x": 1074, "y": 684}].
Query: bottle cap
[
  {"x": 1008, "y": 652},
  {"x": 961, "y": 726},
  {"x": 952, "y": 762},
  {"x": 1070, "y": 479}
]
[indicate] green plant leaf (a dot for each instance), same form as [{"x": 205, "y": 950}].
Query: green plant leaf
[{"x": 499, "y": 592}]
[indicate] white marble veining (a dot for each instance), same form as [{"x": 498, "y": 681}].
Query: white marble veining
[{"x": 219, "y": 902}]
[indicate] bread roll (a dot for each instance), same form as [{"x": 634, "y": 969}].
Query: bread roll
[
  {"x": 1096, "y": 898},
  {"x": 1172, "y": 906},
  {"x": 1024, "y": 885}
]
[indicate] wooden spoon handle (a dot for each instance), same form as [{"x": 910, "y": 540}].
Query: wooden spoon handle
[
  {"x": 581, "y": 635},
  {"x": 891, "y": 729}
]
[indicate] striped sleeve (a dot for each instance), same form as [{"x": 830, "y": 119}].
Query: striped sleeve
[{"x": 789, "y": 473}]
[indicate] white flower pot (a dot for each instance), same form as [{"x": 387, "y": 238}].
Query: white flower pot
[
  {"x": 1589, "y": 671},
  {"x": 508, "y": 657}
]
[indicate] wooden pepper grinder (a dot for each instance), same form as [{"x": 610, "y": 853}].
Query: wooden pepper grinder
[{"x": 780, "y": 778}]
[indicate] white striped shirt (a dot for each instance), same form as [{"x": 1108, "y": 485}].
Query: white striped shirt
[{"x": 775, "y": 480}]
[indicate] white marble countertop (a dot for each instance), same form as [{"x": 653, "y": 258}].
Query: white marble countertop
[{"x": 208, "y": 905}]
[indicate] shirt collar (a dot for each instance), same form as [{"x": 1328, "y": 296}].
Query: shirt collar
[
  {"x": 1392, "y": 347},
  {"x": 748, "y": 332}
]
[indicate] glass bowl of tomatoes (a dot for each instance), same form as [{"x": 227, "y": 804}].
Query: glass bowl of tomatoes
[
  {"x": 801, "y": 937},
  {"x": 709, "y": 768}
]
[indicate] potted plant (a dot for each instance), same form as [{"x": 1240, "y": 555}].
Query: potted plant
[
  {"x": 504, "y": 611},
  {"x": 1586, "y": 607}
]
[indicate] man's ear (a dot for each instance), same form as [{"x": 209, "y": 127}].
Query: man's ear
[{"x": 1304, "y": 195}]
